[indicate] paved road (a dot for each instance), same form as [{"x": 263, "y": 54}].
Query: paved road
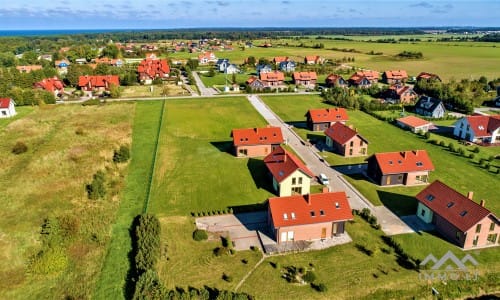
[
  {"x": 204, "y": 91},
  {"x": 390, "y": 223}
]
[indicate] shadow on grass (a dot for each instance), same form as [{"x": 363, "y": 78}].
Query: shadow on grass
[
  {"x": 315, "y": 138},
  {"x": 226, "y": 146},
  {"x": 260, "y": 174},
  {"x": 132, "y": 276},
  {"x": 401, "y": 205},
  {"x": 298, "y": 124}
]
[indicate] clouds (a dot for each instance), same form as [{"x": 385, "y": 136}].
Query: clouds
[
  {"x": 422, "y": 4},
  {"x": 433, "y": 8}
]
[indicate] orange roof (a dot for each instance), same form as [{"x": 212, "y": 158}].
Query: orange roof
[
  {"x": 483, "y": 126},
  {"x": 454, "y": 207},
  {"x": 29, "y": 68},
  {"x": 404, "y": 161},
  {"x": 98, "y": 80},
  {"x": 305, "y": 76},
  {"x": 50, "y": 84},
  {"x": 370, "y": 75},
  {"x": 312, "y": 58},
  {"x": 309, "y": 209},
  {"x": 413, "y": 121},
  {"x": 396, "y": 74},
  {"x": 152, "y": 68},
  {"x": 322, "y": 115},
  {"x": 282, "y": 164},
  {"x": 279, "y": 59},
  {"x": 425, "y": 75},
  {"x": 341, "y": 133},
  {"x": 257, "y": 136},
  {"x": 5, "y": 102},
  {"x": 272, "y": 76}
]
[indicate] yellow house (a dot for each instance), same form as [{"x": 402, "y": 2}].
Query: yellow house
[{"x": 290, "y": 175}]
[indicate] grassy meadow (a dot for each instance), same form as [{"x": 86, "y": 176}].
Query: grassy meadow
[{"x": 66, "y": 145}]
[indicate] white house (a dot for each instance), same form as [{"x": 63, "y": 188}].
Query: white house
[
  {"x": 7, "y": 108},
  {"x": 478, "y": 129},
  {"x": 232, "y": 69}
]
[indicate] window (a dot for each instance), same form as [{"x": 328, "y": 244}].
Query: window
[
  {"x": 313, "y": 214},
  {"x": 474, "y": 242},
  {"x": 457, "y": 235},
  {"x": 478, "y": 228},
  {"x": 300, "y": 180},
  {"x": 450, "y": 204},
  {"x": 322, "y": 212},
  {"x": 429, "y": 197},
  {"x": 350, "y": 151},
  {"x": 463, "y": 213},
  {"x": 361, "y": 143},
  {"x": 294, "y": 180},
  {"x": 492, "y": 238},
  {"x": 337, "y": 205},
  {"x": 293, "y": 215},
  {"x": 422, "y": 213},
  {"x": 492, "y": 226},
  {"x": 297, "y": 190},
  {"x": 285, "y": 216},
  {"x": 419, "y": 164},
  {"x": 352, "y": 143}
]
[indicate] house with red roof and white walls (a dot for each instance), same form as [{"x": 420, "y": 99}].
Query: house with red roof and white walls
[
  {"x": 479, "y": 129},
  {"x": 7, "y": 108},
  {"x": 53, "y": 85}
]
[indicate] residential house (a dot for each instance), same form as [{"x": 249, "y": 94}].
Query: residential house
[
  {"x": 279, "y": 59},
  {"x": 47, "y": 57},
  {"x": 308, "y": 217},
  {"x": 7, "y": 108},
  {"x": 232, "y": 69},
  {"x": 206, "y": 58},
  {"x": 97, "y": 83},
  {"x": 252, "y": 142},
  {"x": 395, "y": 76},
  {"x": 108, "y": 61},
  {"x": 372, "y": 76},
  {"x": 290, "y": 175},
  {"x": 415, "y": 124},
  {"x": 334, "y": 80},
  {"x": 427, "y": 76},
  {"x": 321, "y": 119},
  {"x": 263, "y": 69},
  {"x": 307, "y": 79},
  {"x": 255, "y": 83},
  {"x": 313, "y": 60},
  {"x": 29, "y": 68},
  {"x": 151, "y": 69},
  {"x": 458, "y": 218},
  {"x": 360, "y": 81},
  {"x": 272, "y": 79},
  {"x": 430, "y": 107},
  {"x": 81, "y": 61},
  {"x": 62, "y": 66},
  {"x": 287, "y": 66},
  {"x": 395, "y": 168},
  {"x": 53, "y": 85},
  {"x": 346, "y": 141},
  {"x": 222, "y": 64},
  {"x": 478, "y": 129},
  {"x": 401, "y": 94}
]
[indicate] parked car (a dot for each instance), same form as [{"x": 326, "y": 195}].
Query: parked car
[{"x": 323, "y": 179}]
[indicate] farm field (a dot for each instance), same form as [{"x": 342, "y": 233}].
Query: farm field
[
  {"x": 66, "y": 145},
  {"x": 157, "y": 91},
  {"x": 458, "y": 172},
  {"x": 451, "y": 60}
]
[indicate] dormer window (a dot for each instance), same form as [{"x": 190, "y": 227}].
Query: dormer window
[
  {"x": 419, "y": 164},
  {"x": 293, "y": 215},
  {"x": 321, "y": 212},
  {"x": 285, "y": 216},
  {"x": 313, "y": 214},
  {"x": 390, "y": 162},
  {"x": 337, "y": 205}
]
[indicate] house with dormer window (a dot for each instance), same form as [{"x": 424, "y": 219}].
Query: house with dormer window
[
  {"x": 254, "y": 142},
  {"x": 321, "y": 119},
  {"x": 478, "y": 129}
]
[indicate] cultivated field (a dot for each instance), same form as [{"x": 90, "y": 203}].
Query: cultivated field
[{"x": 66, "y": 144}]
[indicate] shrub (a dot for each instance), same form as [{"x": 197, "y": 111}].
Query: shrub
[
  {"x": 19, "y": 148},
  {"x": 491, "y": 158},
  {"x": 218, "y": 251},
  {"x": 451, "y": 146},
  {"x": 461, "y": 151},
  {"x": 96, "y": 189},
  {"x": 200, "y": 235},
  {"x": 442, "y": 143},
  {"x": 309, "y": 276},
  {"x": 147, "y": 233},
  {"x": 476, "y": 149},
  {"x": 79, "y": 131},
  {"x": 122, "y": 154},
  {"x": 320, "y": 287},
  {"x": 427, "y": 135},
  {"x": 471, "y": 155},
  {"x": 245, "y": 261},
  {"x": 227, "y": 277}
]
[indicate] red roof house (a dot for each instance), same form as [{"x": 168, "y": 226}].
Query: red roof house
[
  {"x": 427, "y": 76},
  {"x": 272, "y": 79},
  {"x": 252, "y": 142},
  {"x": 395, "y": 76},
  {"x": 401, "y": 94},
  {"x": 457, "y": 217},
  {"x": 290, "y": 175},
  {"x": 29, "y": 68},
  {"x": 400, "y": 168},
  {"x": 479, "y": 129},
  {"x": 321, "y": 119},
  {"x": 53, "y": 85},
  {"x": 206, "y": 58},
  {"x": 7, "y": 108},
  {"x": 308, "y": 217},
  {"x": 279, "y": 59},
  {"x": 313, "y": 60},
  {"x": 371, "y": 76},
  {"x": 307, "y": 79},
  {"x": 98, "y": 82},
  {"x": 150, "y": 69},
  {"x": 346, "y": 141},
  {"x": 415, "y": 124},
  {"x": 334, "y": 80}
]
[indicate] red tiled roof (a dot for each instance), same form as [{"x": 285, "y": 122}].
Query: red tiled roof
[
  {"x": 396, "y": 74},
  {"x": 279, "y": 59},
  {"x": 5, "y": 102},
  {"x": 207, "y": 55},
  {"x": 305, "y": 76},
  {"x": 282, "y": 164},
  {"x": 257, "y": 136},
  {"x": 456, "y": 208},
  {"x": 413, "y": 121},
  {"x": 153, "y": 68},
  {"x": 272, "y": 76},
  {"x": 370, "y": 75},
  {"x": 321, "y": 115},
  {"x": 341, "y": 133},
  {"x": 98, "y": 80},
  {"x": 425, "y": 75},
  {"x": 483, "y": 125},
  {"x": 310, "y": 209},
  {"x": 312, "y": 58},
  {"x": 400, "y": 89},
  {"x": 251, "y": 79},
  {"x": 333, "y": 77},
  {"x": 50, "y": 84},
  {"x": 404, "y": 161}
]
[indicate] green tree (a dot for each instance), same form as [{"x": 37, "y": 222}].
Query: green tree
[
  {"x": 149, "y": 287},
  {"x": 96, "y": 189},
  {"x": 111, "y": 50},
  {"x": 251, "y": 61},
  {"x": 115, "y": 91}
]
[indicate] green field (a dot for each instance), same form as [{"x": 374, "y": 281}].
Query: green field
[{"x": 458, "y": 172}]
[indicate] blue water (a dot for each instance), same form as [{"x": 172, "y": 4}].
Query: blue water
[{"x": 55, "y": 32}]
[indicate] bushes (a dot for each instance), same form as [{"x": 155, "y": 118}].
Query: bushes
[
  {"x": 320, "y": 287},
  {"x": 19, "y": 148},
  {"x": 309, "y": 276},
  {"x": 368, "y": 217},
  {"x": 96, "y": 189},
  {"x": 200, "y": 235},
  {"x": 121, "y": 155},
  {"x": 147, "y": 234}
]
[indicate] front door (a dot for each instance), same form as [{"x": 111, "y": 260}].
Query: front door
[{"x": 323, "y": 233}]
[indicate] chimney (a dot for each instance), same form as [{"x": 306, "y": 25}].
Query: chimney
[
  {"x": 403, "y": 154},
  {"x": 256, "y": 130},
  {"x": 482, "y": 202},
  {"x": 308, "y": 199},
  {"x": 470, "y": 195}
]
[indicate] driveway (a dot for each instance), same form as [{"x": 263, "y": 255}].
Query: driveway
[
  {"x": 389, "y": 222},
  {"x": 204, "y": 91}
]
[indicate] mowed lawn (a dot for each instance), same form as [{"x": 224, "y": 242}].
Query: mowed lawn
[
  {"x": 195, "y": 168},
  {"x": 458, "y": 172}
]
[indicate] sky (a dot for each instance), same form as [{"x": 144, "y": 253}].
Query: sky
[{"x": 171, "y": 14}]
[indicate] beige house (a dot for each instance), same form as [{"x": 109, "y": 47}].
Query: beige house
[{"x": 290, "y": 175}]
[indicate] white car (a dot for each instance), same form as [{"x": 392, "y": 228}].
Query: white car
[{"x": 323, "y": 179}]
